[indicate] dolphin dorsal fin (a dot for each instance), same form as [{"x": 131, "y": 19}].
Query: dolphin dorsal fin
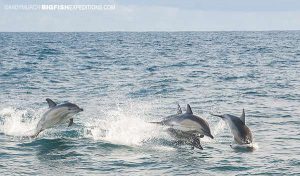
[
  {"x": 179, "y": 111},
  {"x": 243, "y": 116},
  {"x": 188, "y": 109},
  {"x": 51, "y": 103}
]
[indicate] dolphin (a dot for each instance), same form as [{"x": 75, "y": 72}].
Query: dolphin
[
  {"x": 241, "y": 133},
  {"x": 187, "y": 127},
  {"x": 55, "y": 115},
  {"x": 189, "y": 138}
]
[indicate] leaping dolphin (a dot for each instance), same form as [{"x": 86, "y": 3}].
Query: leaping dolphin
[
  {"x": 189, "y": 138},
  {"x": 241, "y": 133},
  {"x": 56, "y": 114},
  {"x": 187, "y": 127}
]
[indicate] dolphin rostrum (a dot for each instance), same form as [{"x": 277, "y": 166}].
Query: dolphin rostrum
[
  {"x": 241, "y": 133},
  {"x": 56, "y": 114},
  {"x": 187, "y": 127}
]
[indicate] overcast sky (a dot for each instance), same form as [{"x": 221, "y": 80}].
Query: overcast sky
[{"x": 156, "y": 15}]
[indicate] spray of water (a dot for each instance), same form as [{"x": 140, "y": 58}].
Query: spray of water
[
  {"x": 216, "y": 130},
  {"x": 16, "y": 122},
  {"x": 126, "y": 125}
]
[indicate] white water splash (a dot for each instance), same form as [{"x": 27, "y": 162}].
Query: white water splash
[
  {"x": 127, "y": 125},
  {"x": 215, "y": 130},
  {"x": 15, "y": 122},
  {"x": 252, "y": 146},
  {"x": 218, "y": 128},
  {"x": 163, "y": 148}
]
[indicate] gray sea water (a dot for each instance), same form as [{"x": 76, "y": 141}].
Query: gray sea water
[{"x": 124, "y": 80}]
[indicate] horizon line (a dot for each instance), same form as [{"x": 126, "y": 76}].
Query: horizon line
[{"x": 271, "y": 30}]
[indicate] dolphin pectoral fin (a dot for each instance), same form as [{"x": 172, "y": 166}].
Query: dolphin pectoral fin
[
  {"x": 51, "y": 103},
  {"x": 71, "y": 122},
  {"x": 196, "y": 143}
]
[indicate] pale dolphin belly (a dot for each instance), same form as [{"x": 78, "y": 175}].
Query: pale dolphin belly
[
  {"x": 189, "y": 124},
  {"x": 184, "y": 125},
  {"x": 51, "y": 118}
]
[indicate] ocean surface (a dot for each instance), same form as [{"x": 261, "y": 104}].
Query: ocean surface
[{"x": 123, "y": 80}]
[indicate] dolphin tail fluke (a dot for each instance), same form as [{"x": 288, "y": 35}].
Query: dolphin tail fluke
[
  {"x": 158, "y": 123},
  {"x": 217, "y": 115},
  {"x": 36, "y": 134}
]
